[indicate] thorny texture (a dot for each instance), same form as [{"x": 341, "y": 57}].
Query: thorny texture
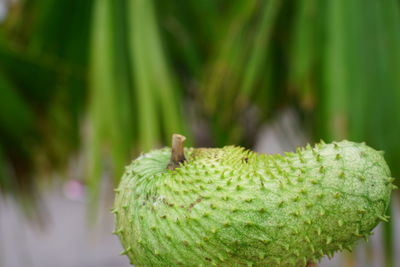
[{"x": 234, "y": 207}]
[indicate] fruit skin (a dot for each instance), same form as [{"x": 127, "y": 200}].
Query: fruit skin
[{"x": 234, "y": 207}]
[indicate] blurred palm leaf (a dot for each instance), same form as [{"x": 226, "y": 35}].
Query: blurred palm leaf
[
  {"x": 134, "y": 98},
  {"x": 238, "y": 67},
  {"x": 42, "y": 89}
]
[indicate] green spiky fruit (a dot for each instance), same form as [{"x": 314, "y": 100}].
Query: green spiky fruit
[{"x": 234, "y": 207}]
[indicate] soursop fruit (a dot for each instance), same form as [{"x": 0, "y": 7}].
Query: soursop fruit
[{"x": 233, "y": 207}]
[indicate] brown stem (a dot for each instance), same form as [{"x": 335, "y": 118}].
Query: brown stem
[
  {"x": 177, "y": 153},
  {"x": 310, "y": 264}
]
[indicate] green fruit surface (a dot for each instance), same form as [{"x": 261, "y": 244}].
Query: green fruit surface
[{"x": 234, "y": 207}]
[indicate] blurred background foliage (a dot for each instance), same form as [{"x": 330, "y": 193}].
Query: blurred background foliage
[{"x": 116, "y": 78}]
